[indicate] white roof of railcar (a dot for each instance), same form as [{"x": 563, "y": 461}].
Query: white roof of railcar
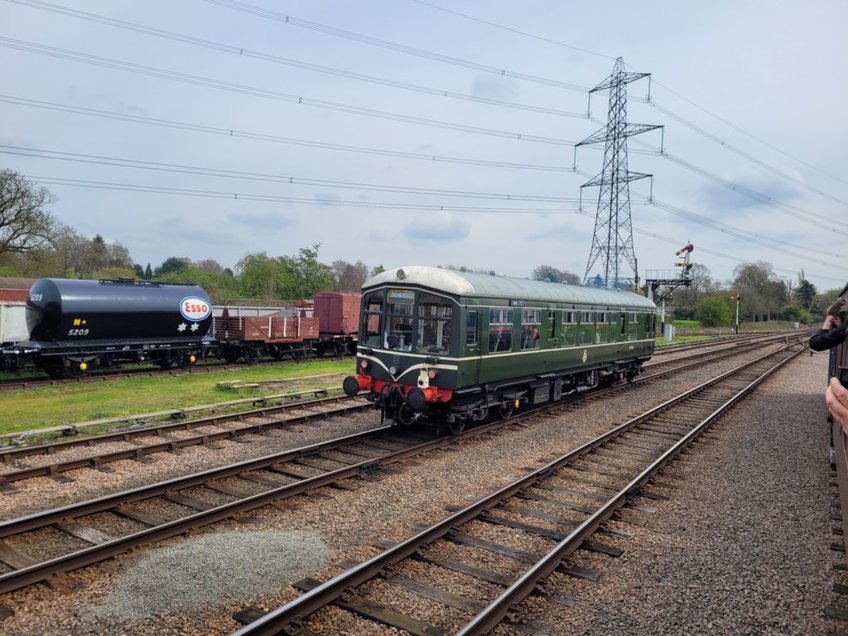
[{"x": 471, "y": 284}]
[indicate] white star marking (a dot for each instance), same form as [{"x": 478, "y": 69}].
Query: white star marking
[
  {"x": 194, "y": 326},
  {"x": 181, "y": 327}
]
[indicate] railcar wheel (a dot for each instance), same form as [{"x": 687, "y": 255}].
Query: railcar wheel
[
  {"x": 252, "y": 356},
  {"x": 457, "y": 426},
  {"x": 405, "y": 415},
  {"x": 505, "y": 410}
]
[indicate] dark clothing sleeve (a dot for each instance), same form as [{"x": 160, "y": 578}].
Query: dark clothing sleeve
[{"x": 827, "y": 338}]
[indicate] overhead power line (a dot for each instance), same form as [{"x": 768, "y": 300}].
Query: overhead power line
[
  {"x": 264, "y": 177},
  {"x": 197, "y": 80},
  {"x": 745, "y": 155},
  {"x": 232, "y": 132},
  {"x": 653, "y": 103},
  {"x": 276, "y": 59},
  {"x": 246, "y": 196},
  {"x": 290, "y": 20}
]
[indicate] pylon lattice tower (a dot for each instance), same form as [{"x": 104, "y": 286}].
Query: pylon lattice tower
[{"x": 612, "y": 242}]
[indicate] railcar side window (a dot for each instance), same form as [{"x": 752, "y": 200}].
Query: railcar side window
[
  {"x": 500, "y": 329},
  {"x": 434, "y": 323},
  {"x": 569, "y": 328},
  {"x": 530, "y": 324},
  {"x": 372, "y": 319},
  {"x": 471, "y": 329},
  {"x": 399, "y": 320}
]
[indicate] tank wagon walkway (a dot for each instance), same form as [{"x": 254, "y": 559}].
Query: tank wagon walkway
[{"x": 745, "y": 542}]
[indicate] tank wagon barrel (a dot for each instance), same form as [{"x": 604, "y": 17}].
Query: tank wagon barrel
[
  {"x": 450, "y": 347},
  {"x": 75, "y": 325}
]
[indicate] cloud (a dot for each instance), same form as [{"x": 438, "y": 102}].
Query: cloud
[
  {"x": 493, "y": 88},
  {"x": 437, "y": 228},
  {"x": 747, "y": 193},
  {"x": 267, "y": 220}
]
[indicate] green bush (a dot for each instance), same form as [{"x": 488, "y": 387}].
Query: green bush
[
  {"x": 796, "y": 313},
  {"x": 714, "y": 311}
]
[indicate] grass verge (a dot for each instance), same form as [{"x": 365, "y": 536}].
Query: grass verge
[{"x": 73, "y": 403}]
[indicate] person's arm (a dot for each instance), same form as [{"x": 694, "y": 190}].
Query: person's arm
[
  {"x": 836, "y": 397},
  {"x": 826, "y": 338}
]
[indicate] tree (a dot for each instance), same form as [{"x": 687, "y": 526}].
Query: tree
[
  {"x": 796, "y": 313},
  {"x": 805, "y": 293},
  {"x": 111, "y": 272},
  {"x": 762, "y": 292},
  {"x": 308, "y": 274},
  {"x": 220, "y": 285},
  {"x": 714, "y": 311},
  {"x": 173, "y": 265},
  {"x": 349, "y": 276},
  {"x": 261, "y": 276},
  {"x": 554, "y": 275},
  {"x": 24, "y": 225}
]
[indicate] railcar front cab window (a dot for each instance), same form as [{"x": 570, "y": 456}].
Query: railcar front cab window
[
  {"x": 389, "y": 321},
  {"x": 399, "y": 313},
  {"x": 434, "y": 323}
]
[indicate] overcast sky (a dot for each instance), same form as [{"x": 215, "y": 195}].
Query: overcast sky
[{"x": 404, "y": 132}]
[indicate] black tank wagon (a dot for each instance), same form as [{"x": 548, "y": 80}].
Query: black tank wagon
[
  {"x": 447, "y": 346},
  {"x": 75, "y": 325}
]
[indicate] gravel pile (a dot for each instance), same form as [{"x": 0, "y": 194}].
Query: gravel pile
[
  {"x": 690, "y": 570},
  {"x": 211, "y": 570}
]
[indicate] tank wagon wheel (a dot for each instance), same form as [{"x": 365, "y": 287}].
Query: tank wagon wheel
[
  {"x": 54, "y": 371},
  {"x": 164, "y": 363},
  {"x": 186, "y": 360},
  {"x": 76, "y": 370}
]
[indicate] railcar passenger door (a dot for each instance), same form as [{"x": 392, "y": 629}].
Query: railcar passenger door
[
  {"x": 371, "y": 329},
  {"x": 587, "y": 328},
  {"x": 473, "y": 350}
]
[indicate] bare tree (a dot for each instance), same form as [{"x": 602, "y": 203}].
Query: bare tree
[
  {"x": 349, "y": 276},
  {"x": 554, "y": 275},
  {"x": 24, "y": 225}
]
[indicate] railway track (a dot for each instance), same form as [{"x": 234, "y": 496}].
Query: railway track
[
  {"x": 247, "y": 423},
  {"x": 87, "y": 532},
  {"x": 559, "y": 508},
  {"x": 9, "y": 382},
  {"x": 243, "y": 424}
]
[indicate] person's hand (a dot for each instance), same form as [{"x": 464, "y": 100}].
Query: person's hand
[
  {"x": 836, "y": 397},
  {"x": 830, "y": 322}
]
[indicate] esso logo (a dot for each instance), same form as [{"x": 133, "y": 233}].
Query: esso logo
[{"x": 194, "y": 308}]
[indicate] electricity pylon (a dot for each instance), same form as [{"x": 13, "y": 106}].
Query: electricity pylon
[{"x": 612, "y": 243}]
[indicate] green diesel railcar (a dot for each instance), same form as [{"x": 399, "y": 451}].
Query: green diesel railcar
[{"x": 449, "y": 346}]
